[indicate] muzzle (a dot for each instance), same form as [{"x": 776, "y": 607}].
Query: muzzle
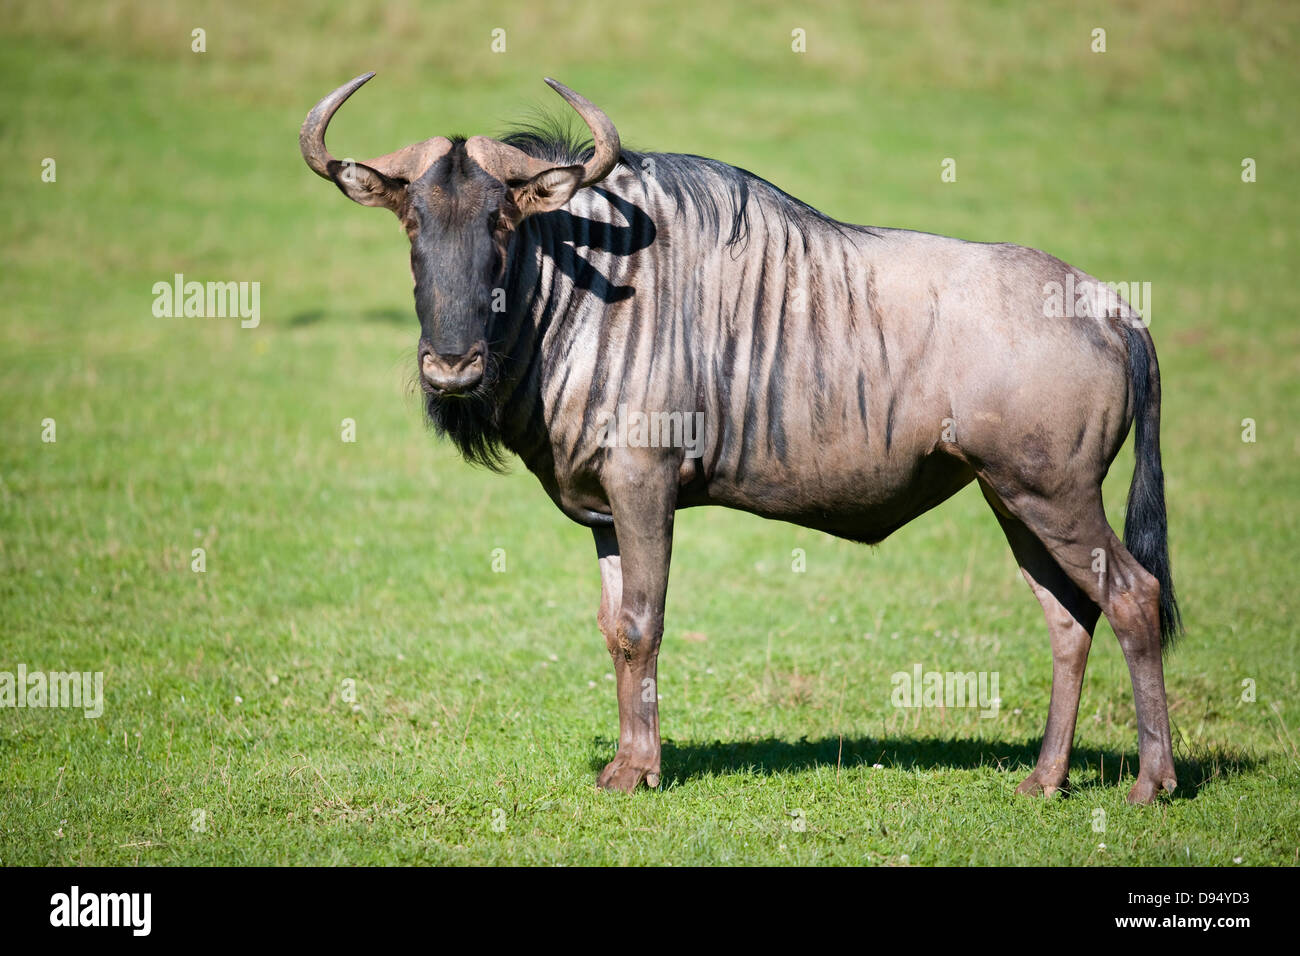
[{"x": 453, "y": 374}]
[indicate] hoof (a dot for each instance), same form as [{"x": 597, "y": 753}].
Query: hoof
[
  {"x": 627, "y": 773},
  {"x": 1146, "y": 789},
  {"x": 1035, "y": 786}
]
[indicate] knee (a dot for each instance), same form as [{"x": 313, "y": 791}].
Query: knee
[
  {"x": 1135, "y": 611},
  {"x": 636, "y": 633}
]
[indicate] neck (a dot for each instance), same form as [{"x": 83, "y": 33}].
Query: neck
[
  {"x": 562, "y": 270},
  {"x": 516, "y": 338}
]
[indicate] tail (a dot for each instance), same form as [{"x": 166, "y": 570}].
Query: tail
[{"x": 1146, "y": 527}]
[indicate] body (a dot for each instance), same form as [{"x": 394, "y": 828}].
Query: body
[
  {"x": 843, "y": 378},
  {"x": 824, "y": 358}
]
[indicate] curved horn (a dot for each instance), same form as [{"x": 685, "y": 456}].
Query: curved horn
[
  {"x": 510, "y": 164},
  {"x": 311, "y": 138},
  {"x": 407, "y": 163},
  {"x": 603, "y": 134}
]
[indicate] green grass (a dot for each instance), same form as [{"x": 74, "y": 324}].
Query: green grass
[{"x": 478, "y": 692}]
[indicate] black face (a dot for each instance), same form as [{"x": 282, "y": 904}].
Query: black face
[
  {"x": 457, "y": 218},
  {"x": 458, "y": 235}
]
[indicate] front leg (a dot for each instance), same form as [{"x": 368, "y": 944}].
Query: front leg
[{"x": 634, "y": 557}]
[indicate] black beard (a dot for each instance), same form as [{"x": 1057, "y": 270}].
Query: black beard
[{"x": 471, "y": 420}]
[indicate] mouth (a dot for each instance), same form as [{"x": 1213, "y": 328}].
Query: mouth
[
  {"x": 451, "y": 394},
  {"x": 435, "y": 392}
]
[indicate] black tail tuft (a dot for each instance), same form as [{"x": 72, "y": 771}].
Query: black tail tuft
[{"x": 1146, "y": 527}]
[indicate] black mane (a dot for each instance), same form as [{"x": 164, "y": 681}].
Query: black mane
[{"x": 713, "y": 190}]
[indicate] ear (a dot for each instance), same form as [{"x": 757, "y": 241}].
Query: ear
[
  {"x": 365, "y": 185},
  {"x": 547, "y": 190}
]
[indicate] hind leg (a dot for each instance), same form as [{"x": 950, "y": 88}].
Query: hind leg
[
  {"x": 1073, "y": 529},
  {"x": 1071, "y": 617}
]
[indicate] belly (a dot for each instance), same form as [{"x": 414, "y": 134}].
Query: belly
[{"x": 848, "y": 499}]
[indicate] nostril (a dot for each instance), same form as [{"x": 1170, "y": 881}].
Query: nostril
[
  {"x": 455, "y": 372},
  {"x": 473, "y": 359},
  {"x": 459, "y": 362}
]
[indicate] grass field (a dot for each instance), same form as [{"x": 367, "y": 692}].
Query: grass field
[{"x": 350, "y": 681}]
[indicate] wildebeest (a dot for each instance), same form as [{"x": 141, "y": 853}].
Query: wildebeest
[{"x": 848, "y": 378}]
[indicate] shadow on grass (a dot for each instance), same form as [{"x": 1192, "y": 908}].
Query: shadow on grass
[
  {"x": 309, "y": 317},
  {"x": 391, "y": 316},
  {"x": 387, "y": 316},
  {"x": 1090, "y": 769}
]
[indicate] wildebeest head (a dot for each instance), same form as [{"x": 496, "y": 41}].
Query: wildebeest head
[{"x": 459, "y": 201}]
